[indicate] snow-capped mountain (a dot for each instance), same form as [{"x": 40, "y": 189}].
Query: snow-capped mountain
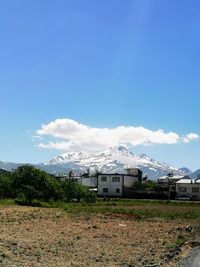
[{"x": 112, "y": 160}]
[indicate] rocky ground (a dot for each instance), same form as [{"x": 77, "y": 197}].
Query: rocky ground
[{"x": 51, "y": 237}]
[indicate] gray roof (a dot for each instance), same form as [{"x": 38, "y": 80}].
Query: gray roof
[
  {"x": 174, "y": 177},
  {"x": 184, "y": 181}
]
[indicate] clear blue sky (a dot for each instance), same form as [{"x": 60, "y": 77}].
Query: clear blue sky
[{"x": 101, "y": 63}]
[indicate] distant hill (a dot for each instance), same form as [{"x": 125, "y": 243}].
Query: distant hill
[
  {"x": 194, "y": 175},
  {"x": 9, "y": 166}
]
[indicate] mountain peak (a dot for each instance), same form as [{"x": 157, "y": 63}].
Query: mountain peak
[
  {"x": 113, "y": 160},
  {"x": 144, "y": 156},
  {"x": 120, "y": 148}
]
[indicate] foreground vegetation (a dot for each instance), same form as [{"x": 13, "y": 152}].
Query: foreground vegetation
[
  {"x": 127, "y": 209},
  {"x": 27, "y": 184},
  {"x": 30, "y": 186},
  {"x": 134, "y": 209}
]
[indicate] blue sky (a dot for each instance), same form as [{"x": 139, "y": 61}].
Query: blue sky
[{"x": 103, "y": 64}]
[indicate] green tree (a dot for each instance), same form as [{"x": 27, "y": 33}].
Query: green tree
[
  {"x": 151, "y": 186},
  {"x": 72, "y": 190},
  {"x": 138, "y": 187},
  {"x": 145, "y": 187},
  {"x": 30, "y": 183},
  {"x": 6, "y": 185},
  {"x": 75, "y": 191},
  {"x": 53, "y": 189}
]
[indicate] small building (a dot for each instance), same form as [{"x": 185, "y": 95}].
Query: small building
[
  {"x": 188, "y": 189},
  {"x": 118, "y": 185},
  {"x": 168, "y": 184},
  {"x": 170, "y": 179}
]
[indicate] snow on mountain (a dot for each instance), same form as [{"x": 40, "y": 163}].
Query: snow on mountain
[{"x": 112, "y": 160}]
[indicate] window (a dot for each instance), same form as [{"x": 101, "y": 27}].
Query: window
[
  {"x": 195, "y": 190},
  {"x": 115, "y": 179},
  {"x": 182, "y": 189},
  {"x": 103, "y": 178},
  {"x": 194, "y": 196},
  {"x": 105, "y": 190},
  {"x": 118, "y": 191}
]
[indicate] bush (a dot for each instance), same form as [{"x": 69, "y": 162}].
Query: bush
[
  {"x": 32, "y": 183},
  {"x": 6, "y": 186},
  {"x": 73, "y": 191},
  {"x": 89, "y": 197}
]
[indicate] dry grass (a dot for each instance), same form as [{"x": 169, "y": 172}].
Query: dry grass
[{"x": 51, "y": 237}]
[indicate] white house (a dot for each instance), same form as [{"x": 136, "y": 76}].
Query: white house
[
  {"x": 118, "y": 185},
  {"x": 188, "y": 189}
]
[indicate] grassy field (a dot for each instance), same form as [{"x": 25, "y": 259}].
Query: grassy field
[
  {"x": 141, "y": 209},
  {"x": 106, "y": 233}
]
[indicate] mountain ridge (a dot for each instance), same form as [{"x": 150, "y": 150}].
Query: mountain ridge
[{"x": 113, "y": 160}]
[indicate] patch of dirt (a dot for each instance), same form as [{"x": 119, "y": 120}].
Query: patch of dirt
[{"x": 52, "y": 238}]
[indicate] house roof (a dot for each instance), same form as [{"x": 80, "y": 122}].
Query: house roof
[
  {"x": 184, "y": 181},
  {"x": 175, "y": 177}
]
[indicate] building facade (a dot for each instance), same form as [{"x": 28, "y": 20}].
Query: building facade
[
  {"x": 188, "y": 189},
  {"x": 85, "y": 181},
  {"x": 117, "y": 185}
]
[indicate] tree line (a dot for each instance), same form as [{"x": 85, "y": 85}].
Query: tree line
[{"x": 28, "y": 183}]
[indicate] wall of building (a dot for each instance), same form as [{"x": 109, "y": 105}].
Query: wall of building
[
  {"x": 89, "y": 181},
  {"x": 115, "y": 185},
  {"x": 129, "y": 180},
  {"x": 110, "y": 185},
  {"x": 188, "y": 190},
  {"x": 135, "y": 172}
]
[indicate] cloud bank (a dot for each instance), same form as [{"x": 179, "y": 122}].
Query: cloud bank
[{"x": 70, "y": 135}]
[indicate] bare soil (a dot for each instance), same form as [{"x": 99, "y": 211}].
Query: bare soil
[{"x": 51, "y": 237}]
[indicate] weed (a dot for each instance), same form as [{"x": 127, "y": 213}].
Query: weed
[
  {"x": 181, "y": 239},
  {"x": 38, "y": 253}
]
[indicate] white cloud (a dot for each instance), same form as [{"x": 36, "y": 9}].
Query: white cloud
[
  {"x": 73, "y": 136},
  {"x": 190, "y": 137}
]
